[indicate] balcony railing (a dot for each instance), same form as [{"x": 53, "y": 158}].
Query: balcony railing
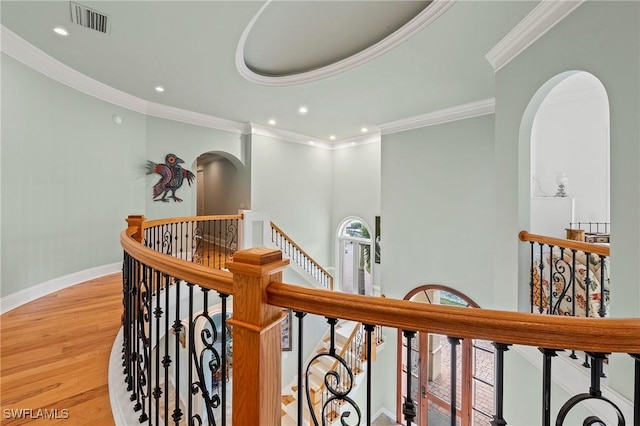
[{"x": 180, "y": 350}]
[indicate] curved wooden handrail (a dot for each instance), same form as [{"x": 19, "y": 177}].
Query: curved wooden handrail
[
  {"x": 188, "y": 271},
  {"x": 304, "y": 253},
  {"x": 157, "y": 222},
  {"x": 561, "y": 332},
  {"x": 598, "y": 249}
]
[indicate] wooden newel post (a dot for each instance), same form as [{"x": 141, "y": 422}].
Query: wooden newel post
[
  {"x": 257, "y": 334},
  {"x": 136, "y": 221}
]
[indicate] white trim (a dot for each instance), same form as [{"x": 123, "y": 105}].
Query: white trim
[
  {"x": 422, "y": 20},
  {"x": 357, "y": 140},
  {"x": 384, "y": 411},
  {"x": 540, "y": 20},
  {"x": 460, "y": 112},
  {"x": 21, "y": 50},
  {"x": 288, "y": 136},
  {"x": 196, "y": 118},
  {"x": 121, "y": 406},
  {"x": 574, "y": 379},
  {"x": 29, "y": 294}
]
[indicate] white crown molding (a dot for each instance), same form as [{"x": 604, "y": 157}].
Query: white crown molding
[
  {"x": 22, "y": 51},
  {"x": 37, "y": 291},
  {"x": 196, "y": 118},
  {"x": 540, "y": 20},
  {"x": 422, "y": 20},
  {"x": 288, "y": 136},
  {"x": 460, "y": 112},
  {"x": 365, "y": 139}
]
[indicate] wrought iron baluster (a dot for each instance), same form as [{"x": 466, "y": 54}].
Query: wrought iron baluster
[
  {"x": 144, "y": 365},
  {"x": 136, "y": 366},
  {"x": 546, "y": 384},
  {"x": 190, "y": 390},
  {"x": 540, "y": 308},
  {"x": 166, "y": 360},
  {"x": 498, "y": 417},
  {"x": 551, "y": 281},
  {"x": 369, "y": 330},
  {"x": 532, "y": 266},
  {"x": 223, "y": 346},
  {"x": 157, "y": 391},
  {"x": 332, "y": 324},
  {"x": 408, "y": 408},
  {"x": 602, "y": 311},
  {"x": 594, "y": 393},
  {"x": 300, "y": 316},
  {"x": 177, "y": 329},
  {"x": 454, "y": 342}
]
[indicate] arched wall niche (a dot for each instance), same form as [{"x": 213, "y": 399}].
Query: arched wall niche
[{"x": 565, "y": 128}]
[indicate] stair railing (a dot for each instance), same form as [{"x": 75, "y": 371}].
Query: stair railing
[
  {"x": 255, "y": 282},
  {"x": 568, "y": 277},
  {"x": 300, "y": 257}
]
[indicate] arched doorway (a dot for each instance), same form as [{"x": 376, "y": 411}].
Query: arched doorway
[
  {"x": 569, "y": 147},
  {"x": 222, "y": 184},
  {"x": 430, "y": 372},
  {"x": 355, "y": 248}
]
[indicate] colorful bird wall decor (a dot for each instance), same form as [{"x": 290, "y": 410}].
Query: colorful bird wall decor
[{"x": 172, "y": 176}]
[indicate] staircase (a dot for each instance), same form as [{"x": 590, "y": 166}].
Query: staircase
[
  {"x": 300, "y": 260},
  {"x": 350, "y": 346}
]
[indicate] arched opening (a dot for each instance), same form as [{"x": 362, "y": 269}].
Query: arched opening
[
  {"x": 222, "y": 184},
  {"x": 431, "y": 367},
  {"x": 569, "y": 144},
  {"x": 355, "y": 249}
]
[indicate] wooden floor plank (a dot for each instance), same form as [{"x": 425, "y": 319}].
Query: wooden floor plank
[{"x": 54, "y": 353}]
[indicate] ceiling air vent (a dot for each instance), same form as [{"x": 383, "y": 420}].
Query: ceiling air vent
[{"x": 89, "y": 18}]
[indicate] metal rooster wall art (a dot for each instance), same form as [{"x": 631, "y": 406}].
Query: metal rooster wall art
[{"x": 172, "y": 176}]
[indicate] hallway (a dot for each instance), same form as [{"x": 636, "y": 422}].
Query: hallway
[{"x": 55, "y": 355}]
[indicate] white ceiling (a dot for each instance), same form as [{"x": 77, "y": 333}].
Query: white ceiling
[{"x": 190, "y": 47}]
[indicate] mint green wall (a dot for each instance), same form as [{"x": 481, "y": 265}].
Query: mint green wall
[
  {"x": 437, "y": 217},
  {"x": 69, "y": 178},
  {"x": 602, "y": 38},
  {"x": 292, "y": 182},
  {"x": 356, "y": 189},
  {"x": 437, "y": 208},
  {"x": 187, "y": 142}
]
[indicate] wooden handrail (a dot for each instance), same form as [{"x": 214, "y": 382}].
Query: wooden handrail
[
  {"x": 304, "y": 253},
  {"x": 598, "y": 249},
  {"x": 587, "y": 334},
  {"x": 188, "y": 271},
  {"x": 157, "y": 222}
]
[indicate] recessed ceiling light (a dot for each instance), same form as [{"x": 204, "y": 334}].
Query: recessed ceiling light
[
  {"x": 272, "y": 122},
  {"x": 353, "y": 143},
  {"x": 61, "y": 31},
  {"x": 303, "y": 110},
  {"x": 364, "y": 130},
  {"x": 311, "y": 143},
  {"x": 332, "y": 137},
  {"x": 159, "y": 89}
]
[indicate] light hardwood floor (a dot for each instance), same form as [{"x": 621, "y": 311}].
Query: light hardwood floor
[{"x": 54, "y": 354}]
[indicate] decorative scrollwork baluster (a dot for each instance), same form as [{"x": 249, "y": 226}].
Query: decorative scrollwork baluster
[
  {"x": 594, "y": 393},
  {"x": 560, "y": 286},
  {"x": 206, "y": 357},
  {"x": 338, "y": 386}
]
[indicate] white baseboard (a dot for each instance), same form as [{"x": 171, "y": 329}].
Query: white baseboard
[
  {"x": 29, "y": 294},
  {"x": 384, "y": 411}
]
